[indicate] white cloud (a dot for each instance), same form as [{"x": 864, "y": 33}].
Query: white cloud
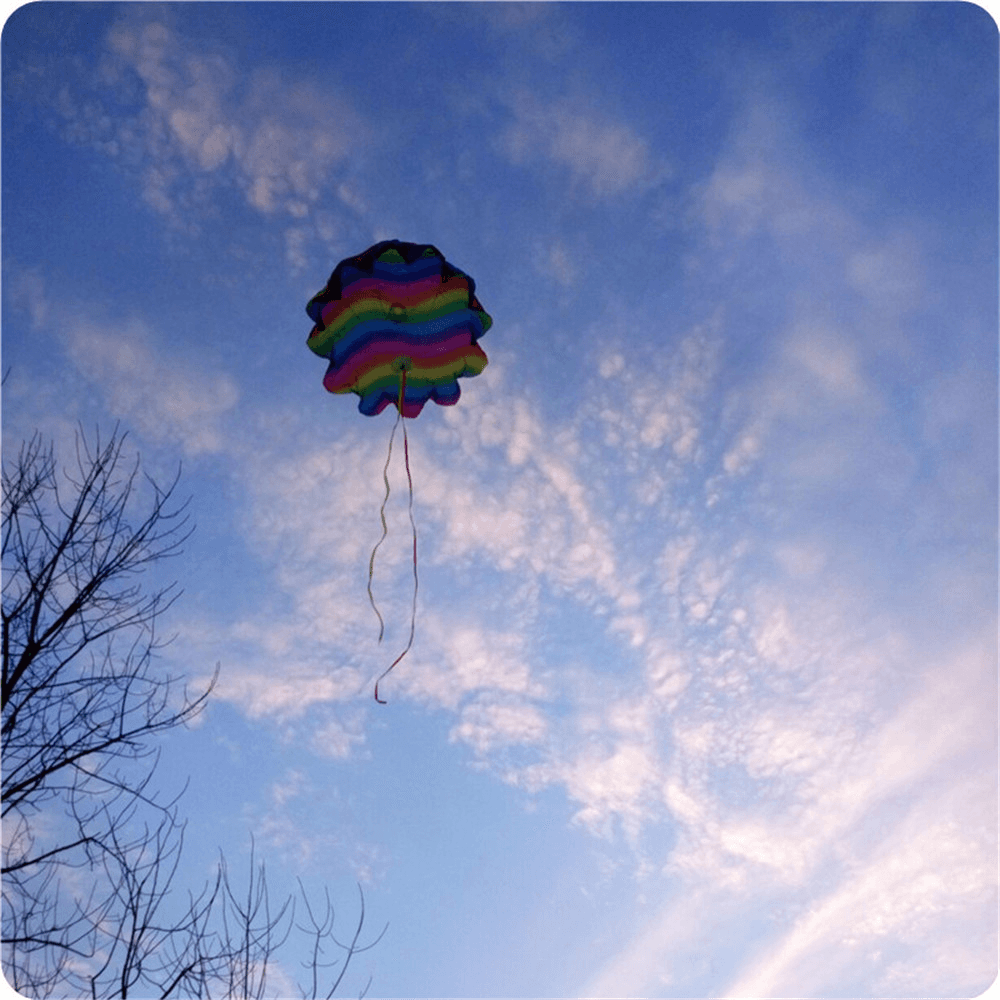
[
  {"x": 823, "y": 416},
  {"x": 289, "y": 787},
  {"x": 756, "y": 697},
  {"x": 612, "y": 786},
  {"x": 798, "y": 766},
  {"x": 321, "y": 563},
  {"x": 761, "y": 184},
  {"x": 597, "y": 151},
  {"x": 338, "y": 738},
  {"x": 283, "y": 694},
  {"x": 536, "y": 513},
  {"x": 284, "y": 822},
  {"x": 830, "y": 358},
  {"x": 666, "y": 671},
  {"x": 489, "y": 725},
  {"x": 556, "y": 260},
  {"x": 296, "y": 240},
  {"x": 279, "y": 143},
  {"x": 611, "y": 365},
  {"x": 162, "y": 397},
  {"x": 659, "y": 402},
  {"x": 901, "y": 900},
  {"x": 886, "y": 821},
  {"x": 803, "y": 558},
  {"x": 744, "y": 451},
  {"x": 289, "y": 485},
  {"x": 889, "y": 272},
  {"x": 457, "y": 659}
]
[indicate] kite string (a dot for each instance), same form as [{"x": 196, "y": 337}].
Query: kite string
[
  {"x": 385, "y": 527},
  {"x": 413, "y": 526}
]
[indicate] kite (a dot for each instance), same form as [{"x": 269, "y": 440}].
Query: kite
[{"x": 398, "y": 324}]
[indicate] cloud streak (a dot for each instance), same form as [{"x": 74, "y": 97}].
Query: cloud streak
[
  {"x": 605, "y": 157},
  {"x": 161, "y": 393},
  {"x": 163, "y": 398},
  {"x": 197, "y": 132}
]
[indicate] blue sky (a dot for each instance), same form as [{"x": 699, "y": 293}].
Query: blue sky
[{"x": 703, "y": 695}]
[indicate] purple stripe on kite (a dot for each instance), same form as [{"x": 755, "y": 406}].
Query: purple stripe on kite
[
  {"x": 407, "y": 294},
  {"x": 385, "y": 351},
  {"x": 405, "y": 283}
]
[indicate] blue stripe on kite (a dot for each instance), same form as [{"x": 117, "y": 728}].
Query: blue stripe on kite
[{"x": 364, "y": 334}]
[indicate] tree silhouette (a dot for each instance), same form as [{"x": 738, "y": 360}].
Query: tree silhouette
[{"x": 90, "y": 852}]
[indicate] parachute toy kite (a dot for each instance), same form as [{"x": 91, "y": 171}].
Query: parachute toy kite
[{"x": 398, "y": 324}]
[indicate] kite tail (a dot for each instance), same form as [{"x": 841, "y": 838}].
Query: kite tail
[
  {"x": 385, "y": 527},
  {"x": 413, "y": 526}
]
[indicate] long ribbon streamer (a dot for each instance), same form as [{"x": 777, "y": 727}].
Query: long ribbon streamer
[
  {"x": 385, "y": 527},
  {"x": 413, "y": 526}
]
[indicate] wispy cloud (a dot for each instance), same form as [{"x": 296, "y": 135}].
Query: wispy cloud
[
  {"x": 814, "y": 748},
  {"x": 193, "y": 127},
  {"x": 463, "y": 658},
  {"x": 201, "y": 121},
  {"x": 491, "y": 723},
  {"x": 892, "y": 823},
  {"x": 905, "y": 821},
  {"x": 761, "y": 716},
  {"x": 280, "y": 825},
  {"x": 284, "y": 694},
  {"x": 539, "y": 28},
  {"x": 143, "y": 380},
  {"x": 162, "y": 398},
  {"x": 603, "y": 155}
]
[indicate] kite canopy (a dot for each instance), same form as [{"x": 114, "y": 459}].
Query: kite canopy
[{"x": 398, "y": 307}]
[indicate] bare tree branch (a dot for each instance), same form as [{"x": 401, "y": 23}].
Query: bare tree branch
[
  {"x": 90, "y": 851},
  {"x": 321, "y": 930}
]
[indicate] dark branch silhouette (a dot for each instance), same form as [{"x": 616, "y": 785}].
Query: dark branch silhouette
[{"x": 91, "y": 851}]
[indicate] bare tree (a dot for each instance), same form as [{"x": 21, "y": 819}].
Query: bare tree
[{"x": 90, "y": 852}]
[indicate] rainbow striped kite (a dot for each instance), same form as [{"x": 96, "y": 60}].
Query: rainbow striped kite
[
  {"x": 398, "y": 316},
  {"x": 399, "y": 324}
]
